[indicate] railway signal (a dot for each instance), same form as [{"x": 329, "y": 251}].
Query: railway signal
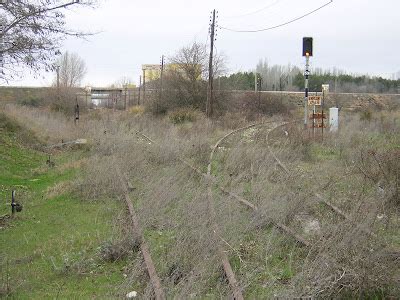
[
  {"x": 307, "y": 52},
  {"x": 307, "y": 46}
]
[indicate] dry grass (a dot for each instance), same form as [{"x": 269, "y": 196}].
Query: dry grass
[
  {"x": 357, "y": 170},
  {"x": 58, "y": 189},
  {"x": 360, "y": 181},
  {"x": 47, "y": 125}
]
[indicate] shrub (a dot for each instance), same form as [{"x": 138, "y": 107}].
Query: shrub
[
  {"x": 254, "y": 104},
  {"x": 33, "y": 101},
  {"x": 366, "y": 115},
  {"x": 182, "y": 115},
  {"x": 137, "y": 109},
  {"x": 112, "y": 251}
]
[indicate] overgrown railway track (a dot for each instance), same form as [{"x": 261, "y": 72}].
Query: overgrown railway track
[
  {"x": 212, "y": 181},
  {"x": 236, "y": 290},
  {"x": 138, "y": 233}
]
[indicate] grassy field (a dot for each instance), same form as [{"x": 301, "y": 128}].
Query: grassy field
[
  {"x": 53, "y": 248},
  {"x": 71, "y": 240}
]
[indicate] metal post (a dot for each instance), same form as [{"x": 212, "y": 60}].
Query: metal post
[
  {"x": 313, "y": 125},
  {"x": 13, "y": 202},
  {"x": 144, "y": 86},
  {"x": 255, "y": 81},
  {"x": 140, "y": 84},
  {"x": 126, "y": 95},
  {"x": 259, "y": 94},
  {"x": 58, "y": 84},
  {"x": 161, "y": 80},
  {"x": 306, "y": 74},
  {"x": 86, "y": 103},
  {"x": 322, "y": 106},
  {"x": 76, "y": 110},
  {"x": 335, "y": 83}
]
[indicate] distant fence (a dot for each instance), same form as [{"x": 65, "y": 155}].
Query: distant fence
[{"x": 120, "y": 98}]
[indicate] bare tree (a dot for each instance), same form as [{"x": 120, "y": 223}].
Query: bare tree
[
  {"x": 31, "y": 32},
  {"x": 72, "y": 69},
  {"x": 123, "y": 82},
  {"x": 185, "y": 76},
  {"x": 191, "y": 61}
]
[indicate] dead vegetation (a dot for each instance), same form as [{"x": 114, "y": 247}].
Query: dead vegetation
[{"x": 356, "y": 170}]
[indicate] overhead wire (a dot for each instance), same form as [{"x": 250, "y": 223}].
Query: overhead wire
[
  {"x": 201, "y": 31},
  {"x": 279, "y": 25},
  {"x": 256, "y": 11}
]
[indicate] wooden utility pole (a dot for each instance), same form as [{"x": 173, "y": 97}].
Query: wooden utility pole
[
  {"x": 76, "y": 110},
  {"x": 161, "y": 79},
  {"x": 140, "y": 84},
  {"x": 255, "y": 81},
  {"x": 58, "y": 77},
  {"x": 86, "y": 94},
  {"x": 58, "y": 83},
  {"x": 144, "y": 85},
  {"x": 126, "y": 96},
  {"x": 258, "y": 85},
  {"x": 2, "y": 26},
  {"x": 209, "y": 104}
]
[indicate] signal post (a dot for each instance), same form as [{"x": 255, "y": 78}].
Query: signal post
[{"x": 307, "y": 52}]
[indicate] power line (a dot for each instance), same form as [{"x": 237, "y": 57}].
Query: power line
[
  {"x": 201, "y": 31},
  {"x": 256, "y": 11},
  {"x": 279, "y": 25}
]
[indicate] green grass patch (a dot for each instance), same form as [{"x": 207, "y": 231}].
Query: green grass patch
[
  {"x": 322, "y": 152},
  {"x": 160, "y": 242},
  {"x": 51, "y": 248}
]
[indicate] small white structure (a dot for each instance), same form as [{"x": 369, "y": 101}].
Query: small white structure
[{"x": 334, "y": 119}]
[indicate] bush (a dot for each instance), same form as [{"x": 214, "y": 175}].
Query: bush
[
  {"x": 112, "y": 251},
  {"x": 154, "y": 106},
  {"x": 31, "y": 101},
  {"x": 63, "y": 100},
  {"x": 366, "y": 115},
  {"x": 137, "y": 109},
  {"x": 382, "y": 168},
  {"x": 254, "y": 104},
  {"x": 182, "y": 115}
]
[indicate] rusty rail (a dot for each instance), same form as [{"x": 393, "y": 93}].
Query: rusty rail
[
  {"x": 321, "y": 199},
  {"x": 283, "y": 228},
  {"x": 237, "y": 291},
  {"x": 144, "y": 248}
]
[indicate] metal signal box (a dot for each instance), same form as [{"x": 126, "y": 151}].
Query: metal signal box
[{"x": 307, "y": 46}]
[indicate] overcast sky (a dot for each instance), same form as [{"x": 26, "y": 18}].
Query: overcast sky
[{"x": 359, "y": 36}]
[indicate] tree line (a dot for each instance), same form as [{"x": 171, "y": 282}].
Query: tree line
[{"x": 291, "y": 78}]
